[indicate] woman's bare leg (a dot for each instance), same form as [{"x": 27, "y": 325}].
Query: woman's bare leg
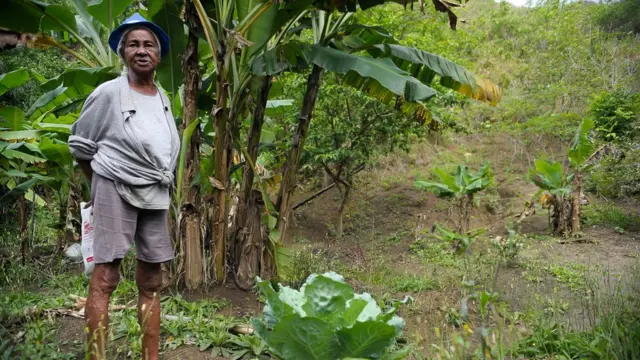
[
  {"x": 104, "y": 281},
  {"x": 149, "y": 281}
]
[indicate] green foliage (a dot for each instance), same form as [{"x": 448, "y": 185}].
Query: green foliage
[
  {"x": 305, "y": 262},
  {"x": 573, "y": 275},
  {"x": 582, "y": 146},
  {"x": 607, "y": 214},
  {"x": 462, "y": 183},
  {"x": 615, "y": 175},
  {"x": 35, "y": 343},
  {"x": 351, "y": 129},
  {"x": 508, "y": 248},
  {"x": 326, "y": 320},
  {"x": 13, "y": 79},
  {"x": 436, "y": 252},
  {"x": 459, "y": 241},
  {"x": 621, "y": 16},
  {"x": 372, "y": 75},
  {"x": 42, "y": 63},
  {"x": 550, "y": 177},
  {"x": 562, "y": 126},
  {"x": 425, "y": 66},
  {"x": 614, "y": 337},
  {"x": 616, "y": 115}
]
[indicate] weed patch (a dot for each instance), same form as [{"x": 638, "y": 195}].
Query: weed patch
[
  {"x": 436, "y": 253},
  {"x": 572, "y": 275},
  {"x": 615, "y": 337},
  {"x": 606, "y": 214},
  {"x": 413, "y": 284},
  {"x": 34, "y": 342}
]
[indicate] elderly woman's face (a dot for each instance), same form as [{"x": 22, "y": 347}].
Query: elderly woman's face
[{"x": 141, "y": 51}]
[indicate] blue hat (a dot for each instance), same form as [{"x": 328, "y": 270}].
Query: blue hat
[{"x": 134, "y": 21}]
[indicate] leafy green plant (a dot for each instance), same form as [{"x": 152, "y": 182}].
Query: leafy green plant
[
  {"x": 326, "y": 320},
  {"x": 305, "y": 262},
  {"x": 349, "y": 132},
  {"x": 461, "y": 186},
  {"x": 459, "y": 241},
  {"x": 509, "y": 247},
  {"x": 573, "y": 275},
  {"x": 247, "y": 345},
  {"x": 34, "y": 343}
]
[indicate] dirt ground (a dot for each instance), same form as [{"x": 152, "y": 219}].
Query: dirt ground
[{"x": 387, "y": 214}]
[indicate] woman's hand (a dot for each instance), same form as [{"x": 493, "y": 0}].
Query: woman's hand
[{"x": 85, "y": 165}]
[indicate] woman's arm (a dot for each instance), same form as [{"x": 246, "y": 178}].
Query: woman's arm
[{"x": 88, "y": 130}]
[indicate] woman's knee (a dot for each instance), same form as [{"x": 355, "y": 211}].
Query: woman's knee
[
  {"x": 148, "y": 278},
  {"x": 105, "y": 278}
]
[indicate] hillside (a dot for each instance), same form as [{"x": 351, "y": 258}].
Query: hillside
[{"x": 498, "y": 225}]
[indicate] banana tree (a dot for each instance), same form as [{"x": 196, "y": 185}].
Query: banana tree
[
  {"x": 21, "y": 168},
  {"x": 391, "y": 73},
  {"x": 550, "y": 177},
  {"x": 462, "y": 187},
  {"x": 187, "y": 200},
  {"x": 236, "y": 32},
  {"x": 579, "y": 154},
  {"x": 239, "y": 33},
  {"x": 565, "y": 191},
  {"x": 21, "y": 155}
]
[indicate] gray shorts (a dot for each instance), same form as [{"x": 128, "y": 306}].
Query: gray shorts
[{"x": 117, "y": 224}]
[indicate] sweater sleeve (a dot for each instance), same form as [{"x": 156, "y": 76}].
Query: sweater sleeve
[{"x": 88, "y": 130}]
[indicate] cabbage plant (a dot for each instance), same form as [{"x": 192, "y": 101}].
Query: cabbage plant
[{"x": 326, "y": 320}]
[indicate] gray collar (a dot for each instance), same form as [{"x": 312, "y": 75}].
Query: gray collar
[{"x": 126, "y": 100}]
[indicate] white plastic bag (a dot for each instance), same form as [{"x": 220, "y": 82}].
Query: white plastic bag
[
  {"x": 74, "y": 252},
  {"x": 86, "y": 213}
]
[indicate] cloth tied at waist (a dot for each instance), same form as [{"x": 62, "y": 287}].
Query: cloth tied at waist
[{"x": 167, "y": 178}]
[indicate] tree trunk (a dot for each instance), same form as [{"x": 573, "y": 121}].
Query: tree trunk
[
  {"x": 290, "y": 170},
  {"x": 69, "y": 215},
  {"x": 192, "y": 260},
  {"x": 222, "y": 146},
  {"x": 575, "y": 209},
  {"x": 24, "y": 237},
  {"x": 326, "y": 179},
  {"x": 255, "y": 257},
  {"x": 467, "y": 212},
  {"x": 462, "y": 211},
  {"x": 561, "y": 216},
  {"x": 343, "y": 203},
  {"x": 240, "y": 221},
  {"x": 62, "y": 224}
]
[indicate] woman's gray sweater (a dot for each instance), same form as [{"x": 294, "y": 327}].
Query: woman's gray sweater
[{"x": 104, "y": 135}]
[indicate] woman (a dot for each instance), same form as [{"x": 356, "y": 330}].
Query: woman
[{"x": 127, "y": 144}]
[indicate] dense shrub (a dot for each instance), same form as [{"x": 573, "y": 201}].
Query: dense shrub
[
  {"x": 616, "y": 115},
  {"x": 616, "y": 175}
]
